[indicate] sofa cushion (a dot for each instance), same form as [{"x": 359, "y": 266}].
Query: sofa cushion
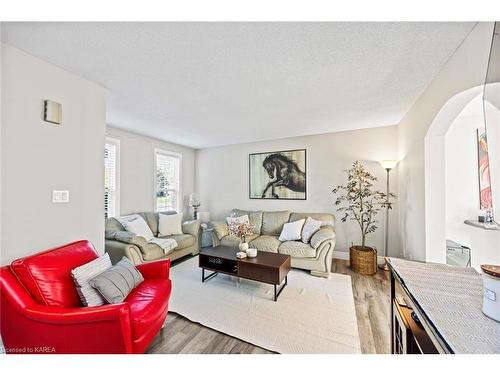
[
  {"x": 47, "y": 275},
  {"x": 326, "y": 219},
  {"x": 273, "y": 221},
  {"x": 183, "y": 240},
  {"x": 148, "y": 303},
  {"x": 297, "y": 249},
  {"x": 235, "y": 241},
  {"x": 266, "y": 243},
  {"x": 220, "y": 228},
  {"x": 111, "y": 224},
  {"x": 255, "y": 218}
]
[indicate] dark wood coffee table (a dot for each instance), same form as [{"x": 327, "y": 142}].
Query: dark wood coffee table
[{"x": 269, "y": 268}]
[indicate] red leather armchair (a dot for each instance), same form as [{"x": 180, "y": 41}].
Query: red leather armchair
[{"x": 40, "y": 311}]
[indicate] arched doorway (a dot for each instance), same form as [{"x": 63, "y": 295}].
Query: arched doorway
[{"x": 451, "y": 187}]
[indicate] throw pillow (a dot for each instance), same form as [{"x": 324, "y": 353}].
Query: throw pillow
[
  {"x": 292, "y": 231},
  {"x": 117, "y": 282},
  {"x": 123, "y": 220},
  {"x": 232, "y": 219},
  {"x": 169, "y": 224},
  {"x": 83, "y": 274},
  {"x": 311, "y": 226},
  {"x": 140, "y": 227}
]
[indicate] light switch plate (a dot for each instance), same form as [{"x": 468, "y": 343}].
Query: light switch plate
[{"x": 60, "y": 196}]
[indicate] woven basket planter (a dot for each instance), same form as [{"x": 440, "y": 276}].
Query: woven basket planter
[{"x": 363, "y": 260}]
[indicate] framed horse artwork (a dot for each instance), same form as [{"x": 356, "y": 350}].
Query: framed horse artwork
[{"x": 278, "y": 175}]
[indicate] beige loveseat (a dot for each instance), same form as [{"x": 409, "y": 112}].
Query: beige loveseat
[
  {"x": 315, "y": 256},
  {"x": 120, "y": 243}
]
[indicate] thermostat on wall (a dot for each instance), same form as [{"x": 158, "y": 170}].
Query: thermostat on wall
[{"x": 60, "y": 196}]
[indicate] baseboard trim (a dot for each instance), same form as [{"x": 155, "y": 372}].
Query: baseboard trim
[{"x": 341, "y": 255}]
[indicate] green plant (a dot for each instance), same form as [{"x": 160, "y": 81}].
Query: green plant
[{"x": 359, "y": 201}]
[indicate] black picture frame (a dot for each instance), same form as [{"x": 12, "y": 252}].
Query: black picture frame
[{"x": 252, "y": 196}]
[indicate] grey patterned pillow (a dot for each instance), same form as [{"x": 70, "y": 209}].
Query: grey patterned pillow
[
  {"x": 117, "y": 282},
  {"x": 81, "y": 276}
]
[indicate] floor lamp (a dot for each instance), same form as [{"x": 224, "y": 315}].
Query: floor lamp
[{"x": 387, "y": 165}]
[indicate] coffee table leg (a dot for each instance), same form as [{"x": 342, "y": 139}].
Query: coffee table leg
[
  {"x": 278, "y": 292},
  {"x": 203, "y": 278}
]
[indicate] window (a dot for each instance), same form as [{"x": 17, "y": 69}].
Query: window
[
  {"x": 111, "y": 178},
  {"x": 167, "y": 181}
]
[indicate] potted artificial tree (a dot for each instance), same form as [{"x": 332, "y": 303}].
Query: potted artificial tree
[{"x": 358, "y": 201}]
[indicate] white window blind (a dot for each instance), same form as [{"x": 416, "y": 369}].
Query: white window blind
[
  {"x": 111, "y": 178},
  {"x": 167, "y": 182}
]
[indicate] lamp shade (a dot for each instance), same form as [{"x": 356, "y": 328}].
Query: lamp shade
[
  {"x": 194, "y": 200},
  {"x": 388, "y": 164}
]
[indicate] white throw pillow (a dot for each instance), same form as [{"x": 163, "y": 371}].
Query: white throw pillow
[
  {"x": 310, "y": 227},
  {"x": 243, "y": 219},
  {"x": 139, "y": 227},
  {"x": 83, "y": 274},
  {"x": 292, "y": 231},
  {"x": 123, "y": 220},
  {"x": 170, "y": 224}
]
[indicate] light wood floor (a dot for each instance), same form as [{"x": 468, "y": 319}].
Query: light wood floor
[{"x": 371, "y": 297}]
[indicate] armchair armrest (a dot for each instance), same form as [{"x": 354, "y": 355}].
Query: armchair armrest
[
  {"x": 78, "y": 315},
  {"x": 126, "y": 237},
  {"x": 192, "y": 227},
  {"x": 100, "y": 329},
  {"x": 155, "y": 270},
  {"x": 117, "y": 250},
  {"x": 220, "y": 228},
  {"x": 321, "y": 236}
]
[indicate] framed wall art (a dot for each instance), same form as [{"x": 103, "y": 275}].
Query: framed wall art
[
  {"x": 485, "y": 196},
  {"x": 278, "y": 175}
]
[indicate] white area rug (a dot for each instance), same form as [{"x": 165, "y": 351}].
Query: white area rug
[{"x": 312, "y": 314}]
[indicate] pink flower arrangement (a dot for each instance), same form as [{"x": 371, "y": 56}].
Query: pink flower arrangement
[{"x": 240, "y": 229}]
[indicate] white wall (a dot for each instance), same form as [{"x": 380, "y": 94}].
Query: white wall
[
  {"x": 222, "y": 176},
  {"x": 137, "y": 171},
  {"x": 38, "y": 157},
  {"x": 462, "y": 188},
  {"x": 492, "y": 111},
  {"x": 465, "y": 69}
]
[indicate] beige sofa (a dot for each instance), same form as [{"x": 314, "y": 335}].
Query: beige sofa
[
  {"x": 120, "y": 243},
  {"x": 315, "y": 256}
]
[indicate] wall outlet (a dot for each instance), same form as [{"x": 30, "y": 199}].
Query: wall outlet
[{"x": 60, "y": 196}]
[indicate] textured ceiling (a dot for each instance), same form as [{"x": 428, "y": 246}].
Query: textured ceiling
[{"x": 208, "y": 84}]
